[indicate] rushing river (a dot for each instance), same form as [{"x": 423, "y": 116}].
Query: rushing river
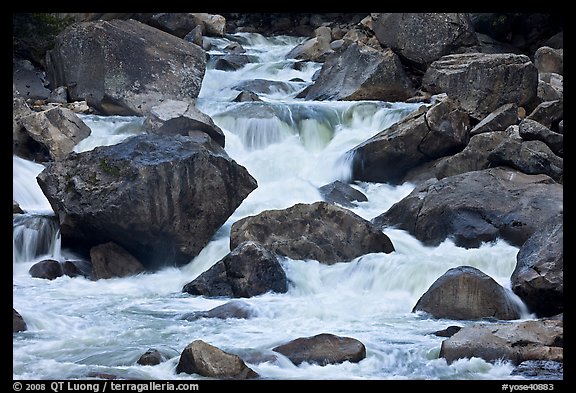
[{"x": 78, "y": 328}]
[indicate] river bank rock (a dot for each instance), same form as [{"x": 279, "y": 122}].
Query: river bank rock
[
  {"x": 421, "y": 38},
  {"x": 124, "y": 67},
  {"x": 56, "y": 130},
  {"x": 548, "y": 59},
  {"x": 532, "y": 130},
  {"x": 482, "y": 82},
  {"x": 248, "y": 270},
  {"x": 360, "y": 72},
  {"x": 499, "y": 120},
  {"x": 173, "y": 117},
  {"x": 323, "y": 349},
  {"x": 476, "y": 207},
  {"x": 465, "y": 292},
  {"x": 314, "y": 49},
  {"x": 538, "y": 278},
  {"x": 207, "y": 360},
  {"x": 531, "y": 157},
  {"x": 320, "y": 231},
  {"x": 29, "y": 81},
  {"x": 513, "y": 341},
  {"x": 180, "y": 24},
  {"x": 161, "y": 198},
  {"x": 549, "y": 114},
  {"x": 474, "y": 157}
]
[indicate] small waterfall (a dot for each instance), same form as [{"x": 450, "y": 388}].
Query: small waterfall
[
  {"x": 35, "y": 236},
  {"x": 108, "y": 130},
  {"x": 25, "y": 188}
]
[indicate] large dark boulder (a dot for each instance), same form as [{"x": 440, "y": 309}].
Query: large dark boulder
[
  {"x": 124, "y": 67},
  {"x": 48, "y": 269},
  {"x": 525, "y": 31},
  {"x": 248, "y": 270},
  {"x": 424, "y": 37},
  {"x": 482, "y": 82},
  {"x": 28, "y": 80},
  {"x": 362, "y": 73},
  {"x": 465, "y": 292},
  {"x": 549, "y": 114},
  {"x": 323, "y": 349},
  {"x": 161, "y": 198},
  {"x": 474, "y": 157},
  {"x": 320, "y": 231},
  {"x": 476, "y": 207},
  {"x": 422, "y": 136},
  {"x": 538, "y": 278},
  {"x": 532, "y": 130}
]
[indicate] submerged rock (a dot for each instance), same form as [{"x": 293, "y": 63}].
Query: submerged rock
[
  {"x": 538, "y": 278},
  {"x": 151, "y": 357},
  {"x": 236, "y": 309}
]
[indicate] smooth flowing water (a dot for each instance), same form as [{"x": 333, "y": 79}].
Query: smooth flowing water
[{"x": 78, "y": 328}]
